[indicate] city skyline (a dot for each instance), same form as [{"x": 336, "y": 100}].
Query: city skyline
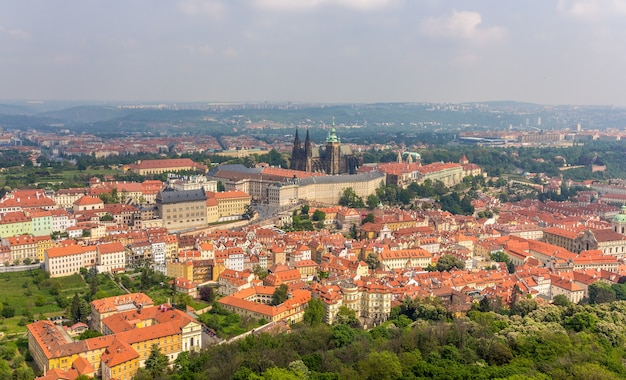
[{"x": 342, "y": 51}]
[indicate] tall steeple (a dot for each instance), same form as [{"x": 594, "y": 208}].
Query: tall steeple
[
  {"x": 307, "y": 145},
  {"x": 296, "y": 140}
]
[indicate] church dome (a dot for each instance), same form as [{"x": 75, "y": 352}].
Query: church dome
[
  {"x": 332, "y": 135},
  {"x": 621, "y": 217}
]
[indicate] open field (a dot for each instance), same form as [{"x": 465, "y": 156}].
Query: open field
[
  {"x": 21, "y": 177},
  {"x": 32, "y": 296}
]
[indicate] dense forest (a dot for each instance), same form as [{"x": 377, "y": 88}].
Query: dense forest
[{"x": 530, "y": 340}]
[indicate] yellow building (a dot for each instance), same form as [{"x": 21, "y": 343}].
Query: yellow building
[
  {"x": 165, "y": 166},
  {"x": 128, "y": 340},
  {"x": 44, "y": 243},
  {"x": 230, "y": 204},
  {"x": 254, "y": 303},
  {"x": 15, "y": 223},
  {"x": 403, "y": 258},
  {"x": 180, "y": 270}
]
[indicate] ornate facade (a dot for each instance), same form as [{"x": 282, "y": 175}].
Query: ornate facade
[{"x": 331, "y": 158}]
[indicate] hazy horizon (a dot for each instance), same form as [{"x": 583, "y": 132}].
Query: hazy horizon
[{"x": 314, "y": 51}]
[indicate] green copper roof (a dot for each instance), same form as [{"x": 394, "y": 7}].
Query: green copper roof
[
  {"x": 621, "y": 217},
  {"x": 332, "y": 136}
]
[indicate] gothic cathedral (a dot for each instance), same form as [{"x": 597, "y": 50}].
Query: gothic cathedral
[{"x": 331, "y": 158}]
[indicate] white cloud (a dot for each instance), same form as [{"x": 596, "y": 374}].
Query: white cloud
[
  {"x": 592, "y": 10},
  {"x": 200, "y": 50},
  {"x": 212, "y": 8},
  {"x": 65, "y": 59},
  {"x": 302, "y": 5},
  {"x": 464, "y": 25},
  {"x": 230, "y": 52},
  {"x": 15, "y": 33}
]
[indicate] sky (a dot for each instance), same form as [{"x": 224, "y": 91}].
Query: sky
[{"x": 323, "y": 51}]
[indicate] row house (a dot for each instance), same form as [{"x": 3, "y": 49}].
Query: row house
[
  {"x": 567, "y": 287},
  {"x": 65, "y": 198},
  {"x": 186, "y": 287},
  {"x": 139, "y": 254},
  {"x": 22, "y": 247},
  {"x": 404, "y": 258},
  {"x": 291, "y": 311},
  {"x": 41, "y": 221},
  {"x": 369, "y": 298},
  {"x": 26, "y": 199},
  {"x": 303, "y": 252},
  {"x": 606, "y": 240},
  {"x": 62, "y": 220},
  {"x": 196, "y": 271},
  {"x": 232, "y": 281},
  {"x": 68, "y": 260},
  {"x": 230, "y": 204},
  {"x": 123, "y": 214},
  {"x": 111, "y": 258},
  {"x": 43, "y": 243},
  {"x": 159, "y": 254},
  {"x": 15, "y": 223},
  {"x": 87, "y": 203},
  {"x": 172, "y": 165}
]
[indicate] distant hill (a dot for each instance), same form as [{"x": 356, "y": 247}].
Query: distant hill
[
  {"x": 87, "y": 114},
  {"x": 12, "y": 109},
  {"x": 370, "y": 118}
]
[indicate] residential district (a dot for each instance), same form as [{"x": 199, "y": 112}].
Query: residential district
[{"x": 366, "y": 259}]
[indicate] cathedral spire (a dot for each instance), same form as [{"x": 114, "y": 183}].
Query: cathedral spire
[
  {"x": 307, "y": 144},
  {"x": 296, "y": 140}
]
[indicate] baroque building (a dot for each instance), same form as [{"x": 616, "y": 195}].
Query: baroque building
[{"x": 330, "y": 158}]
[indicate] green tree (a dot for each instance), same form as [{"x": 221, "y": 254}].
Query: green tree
[
  {"x": 276, "y": 373},
  {"x": 369, "y": 218},
  {"x": 78, "y": 310},
  {"x": 8, "y": 311},
  {"x": 354, "y": 232},
  {"x": 319, "y": 216},
  {"x": 600, "y": 292},
  {"x": 207, "y": 294},
  {"x": 157, "y": 362},
  {"x": 280, "y": 295},
  {"x": 372, "y": 201},
  {"x": 561, "y": 300},
  {"x": 347, "y": 316},
  {"x": 372, "y": 260},
  {"x": 620, "y": 291},
  {"x": 350, "y": 199},
  {"x": 581, "y": 321},
  {"x": 314, "y": 314},
  {"x": 305, "y": 210},
  {"x": 500, "y": 257},
  {"x": 383, "y": 365},
  {"x": 23, "y": 373},
  {"x": 447, "y": 262},
  {"x": 87, "y": 334},
  {"x": 485, "y": 305},
  {"x": 510, "y": 267}
]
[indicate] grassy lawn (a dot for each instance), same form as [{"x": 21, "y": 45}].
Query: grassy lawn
[
  {"x": 32, "y": 296},
  {"x": 24, "y": 177},
  {"x": 164, "y": 294},
  {"x": 107, "y": 288},
  {"x": 226, "y": 324}
]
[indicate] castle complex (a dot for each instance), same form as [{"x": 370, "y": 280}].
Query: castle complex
[{"x": 331, "y": 158}]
